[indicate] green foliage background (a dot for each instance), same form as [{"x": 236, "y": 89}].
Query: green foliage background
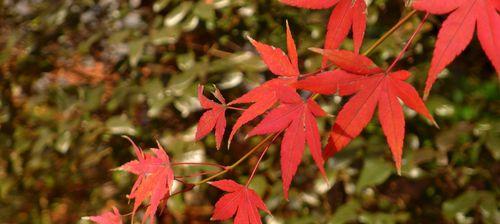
[{"x": 75, "y": 75}]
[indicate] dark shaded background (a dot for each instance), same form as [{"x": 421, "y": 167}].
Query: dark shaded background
[{"x": 75, "y": 75}]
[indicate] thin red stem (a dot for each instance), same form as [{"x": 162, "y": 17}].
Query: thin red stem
[
  {"x": 408, "y": 43},
  {"x": 188, "y": 187},
  {"x": 260, "y": 159},
  {"x": 235, "y": 108},
  {"x": 250, "y": 152},
  {"x": 197, "y": 174},
  {"x": 199, "y": 164}
]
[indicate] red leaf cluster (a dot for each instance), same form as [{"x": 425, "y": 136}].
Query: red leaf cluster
[
  {"x": 295, "y": 116},
  {"x": 369, "y": 87}
]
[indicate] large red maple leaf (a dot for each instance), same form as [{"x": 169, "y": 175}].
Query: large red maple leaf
[
  {"x": 213, "y": 118},
  {"x": 346, "y": 14},
  {"x": 266, "y": 95},
  {"x": 457, "y": 30},
  {"x": 107, "y": 217},
  {"x": 297, "y": 118},
  {"x": 372, "y": 88},
  {"x": 154, "y": 181},
  {"x": 239, "y": 200}
]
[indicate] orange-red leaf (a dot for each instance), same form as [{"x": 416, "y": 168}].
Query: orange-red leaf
[
  {"x": 214, "y": 117},
  {"x": 107, "y": 217},
  {"x": 382, "y": 91},
  {"x": 155, "y": 178},
  {"x": 239, "y": 201}
]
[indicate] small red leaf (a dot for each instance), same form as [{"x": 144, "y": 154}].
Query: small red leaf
[
  {"x": 107, "y": 218},
  {"x": 214, "y": 117},
  {"x": 155, "y": 178},
  {"x": 240, "y": 201}
]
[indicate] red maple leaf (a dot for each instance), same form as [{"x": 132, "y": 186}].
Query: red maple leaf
[
  {"x": 346, "y": 14},
  {"x": 107, "y": 217},
  {"x": 214, "y": 117},
  {"x": 155, "y": 178},
  {"x": 266, "y": 95},
  {"x": 372, "y": 88},
  {"x": 297, "y": 118},
  {"x": 457, "y": 30},
  {"x": 239, "y": 200}
]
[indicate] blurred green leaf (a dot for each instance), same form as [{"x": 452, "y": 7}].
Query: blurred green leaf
[
  {"x": 120, "y": 125},
  {"x": 136, "y": 49},
  {"x": 348, "y": 212},
  {"x": 160, "y": 5},
  {"x": 178, "y": 13},
  {"x": 374, "y": 172}
]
